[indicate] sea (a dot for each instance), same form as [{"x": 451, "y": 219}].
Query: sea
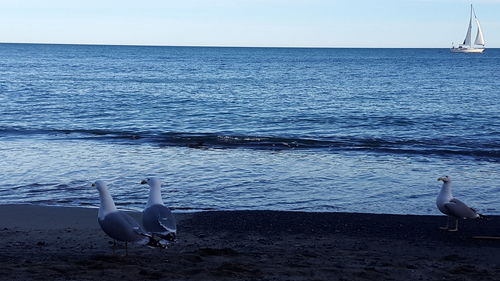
[{"x": 292, "y": 129}]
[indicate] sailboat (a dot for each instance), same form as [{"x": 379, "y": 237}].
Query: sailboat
[{"x": 467, "y": 46}]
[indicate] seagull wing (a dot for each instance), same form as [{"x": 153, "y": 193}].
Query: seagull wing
[
  {"x": 168, "y": 222},
  {"x": 159, "y": 219},
  {"x": 122, "y": 227},
  {"x": 166, "y": 219},
  {"x": 459, "y": 209}
]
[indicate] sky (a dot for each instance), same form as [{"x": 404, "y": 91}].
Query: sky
[{"x": 255, "y": 23}]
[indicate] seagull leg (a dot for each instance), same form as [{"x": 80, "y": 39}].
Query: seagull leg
[
  {"x": 114, "y": 246},
  {"x": 126, "y": 248},
  {"x": 456, "y": 226},
  {"x": 447, "y": 223}
]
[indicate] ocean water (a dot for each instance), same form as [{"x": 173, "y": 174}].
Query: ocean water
[{"x": 337, "y": 130}]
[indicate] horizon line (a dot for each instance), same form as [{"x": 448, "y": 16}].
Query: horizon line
[{"x": 219, "y": 46}]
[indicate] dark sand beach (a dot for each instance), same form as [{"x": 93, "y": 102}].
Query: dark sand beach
[{"x": 59, "y": 243}]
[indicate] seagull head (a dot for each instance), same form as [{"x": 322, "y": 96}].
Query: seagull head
[
  {"x": 152, "y": 182},
  {"x": 100, "y": 185},
  {"x": 444, "y": 179}
]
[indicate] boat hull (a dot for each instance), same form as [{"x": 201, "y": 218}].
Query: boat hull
[{"x": 467, "y": 50}]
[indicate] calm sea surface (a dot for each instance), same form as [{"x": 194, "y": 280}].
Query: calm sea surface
[{"x": 355, "y": 130}]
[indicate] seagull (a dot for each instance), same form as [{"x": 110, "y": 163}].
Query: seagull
[
  {"x": 453, "y": 207},
  {"x": 157, "y": 218},
  {"x": 119, "y": 225}
]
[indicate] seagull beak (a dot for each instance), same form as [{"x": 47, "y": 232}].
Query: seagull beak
[
  {"x": 144, "y": 182},
  {"x": 441, "y": 179}
]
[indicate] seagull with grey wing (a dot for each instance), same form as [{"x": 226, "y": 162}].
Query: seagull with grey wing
[
  {"x": 119, "y": 225},
  {"x": 453, "y": 207},
  {"x": 156, "y": 217}
]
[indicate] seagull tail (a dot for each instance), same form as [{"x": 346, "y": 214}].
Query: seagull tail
[
  {"x": 481, "y": 216},
  {"x": 165, "y": 239},
  {"x": 152, "y": 241},
  {"x": 155, "y": 243},
  {"x": 170, "y": 237}
]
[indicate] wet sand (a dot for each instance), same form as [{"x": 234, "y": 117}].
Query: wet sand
[{"x": 58, "y": 243}]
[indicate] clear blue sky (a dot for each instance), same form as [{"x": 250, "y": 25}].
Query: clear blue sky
[{"x": 312, "y": 23}]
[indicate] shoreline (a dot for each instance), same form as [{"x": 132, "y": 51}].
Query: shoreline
[{"x": 66, "y": 243}]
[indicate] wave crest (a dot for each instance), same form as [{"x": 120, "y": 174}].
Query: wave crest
[{"x": 488, "y": 151}]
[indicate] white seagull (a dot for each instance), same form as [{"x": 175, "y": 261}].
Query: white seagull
[
  {"x": 156, "y": 218},
  {"x": 453, "y": 207},
  {"x": 119, "y": 225}
]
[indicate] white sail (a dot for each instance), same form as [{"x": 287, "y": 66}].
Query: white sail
[
  {"x": 479, "y": 37},
  {"x": 468, "y": 37}
]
